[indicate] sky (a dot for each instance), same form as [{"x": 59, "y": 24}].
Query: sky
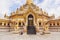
[{"x": 49, "y": 6}]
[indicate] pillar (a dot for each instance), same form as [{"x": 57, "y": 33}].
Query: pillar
[
  {"x": 17, "y": 25},
  {"x": 2, "y": 23},
  {"x": 21, "y": 23},
  {"x": 10, "y": 24},
  {"x": 55, "y": 23},
  {"x": 6, "y": 24},
  {"x": 52, "y": 24},
  {"x": 59, "y": 23}
]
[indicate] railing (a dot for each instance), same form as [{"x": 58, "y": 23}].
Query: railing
[
  {"x": 54, "y": 29},
  {"x": 51, "y": 29},
  {"x": 5, "y": 28}
]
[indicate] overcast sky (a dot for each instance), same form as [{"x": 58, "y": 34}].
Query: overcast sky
[{"x": 50, "y": 6}]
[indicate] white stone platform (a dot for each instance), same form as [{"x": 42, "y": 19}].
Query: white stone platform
[{"x": 11, "y": 36}]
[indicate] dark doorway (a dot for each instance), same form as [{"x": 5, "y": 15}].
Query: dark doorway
[
  {"x": 31, "y": 28},
  {"x": 30, "y": 20}
]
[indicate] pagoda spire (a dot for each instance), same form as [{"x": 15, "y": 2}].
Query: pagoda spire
[{"x": 29, "y": 1}]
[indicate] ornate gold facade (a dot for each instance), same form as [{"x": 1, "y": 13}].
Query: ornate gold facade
[{"x": 29, "y": 14}]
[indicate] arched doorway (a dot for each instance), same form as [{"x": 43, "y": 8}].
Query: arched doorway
[
  {"x": 30, "y": 20},
  {"x": 31, "y": 28}
]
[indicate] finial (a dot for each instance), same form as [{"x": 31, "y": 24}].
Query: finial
[
  {"x": 29, "y": 1},
  {"x": 5, "y": 15}
]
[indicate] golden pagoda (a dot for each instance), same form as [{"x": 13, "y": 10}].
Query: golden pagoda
[{"x": 30, "y": 19}]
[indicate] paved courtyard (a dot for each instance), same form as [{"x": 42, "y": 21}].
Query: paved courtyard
[{"x": 11, "y": 36}]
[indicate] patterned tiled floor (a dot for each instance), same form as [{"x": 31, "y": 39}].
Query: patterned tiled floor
[{"x": 11, "y": 36}]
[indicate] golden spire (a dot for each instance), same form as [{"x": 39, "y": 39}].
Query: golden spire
[
  {"x": 29, "y": 1},
  {"x": 5, "y": 15}
]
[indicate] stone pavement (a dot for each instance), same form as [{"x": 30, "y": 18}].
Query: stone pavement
[{"x": 11, "y": 36}]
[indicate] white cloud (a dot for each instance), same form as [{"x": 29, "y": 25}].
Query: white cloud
[
  {"x": 6, "y": 4},
  {"x": 51, "y": 6}
]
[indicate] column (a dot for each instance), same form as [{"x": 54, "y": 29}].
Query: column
[
  {"x": 2, "y": 23},
  {"x": 6, "y": 24},
  {"x": 17, "y": 25},
  {"x": 25, "y": 28},
  {"x": 52, "y": 24},
  {"x": 55, "y": 23},
  {"x": 21, "y": 23},
  {"x": 59, "y": 23}
]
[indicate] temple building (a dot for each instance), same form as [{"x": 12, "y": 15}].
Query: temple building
[{"x": 30, "y": 19}]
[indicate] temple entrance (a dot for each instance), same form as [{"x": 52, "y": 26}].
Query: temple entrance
[{"x": 31, "y": 28}]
